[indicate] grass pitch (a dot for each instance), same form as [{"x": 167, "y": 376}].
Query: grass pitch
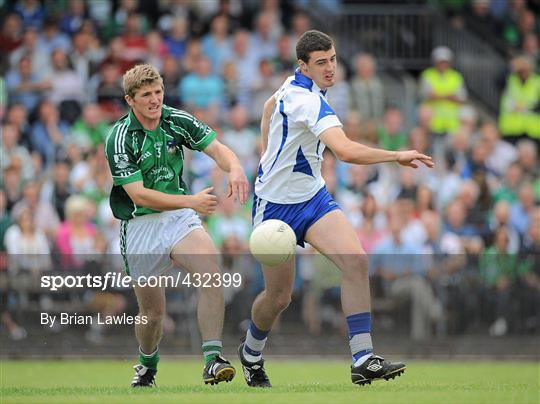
[{"x": 295, "y": 381}]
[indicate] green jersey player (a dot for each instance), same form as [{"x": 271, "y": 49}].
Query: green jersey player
[{"x": 159, "y": 222}]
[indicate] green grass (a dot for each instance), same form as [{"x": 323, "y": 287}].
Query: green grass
[{"x": 93, "y": 381}]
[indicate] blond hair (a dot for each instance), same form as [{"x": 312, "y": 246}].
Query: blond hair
[
  {"x": 138, "y": 76},
  {"x": 75, "y": 205}
]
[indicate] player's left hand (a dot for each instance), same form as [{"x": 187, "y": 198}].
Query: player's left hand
[
  {"x": 407, "y": 158},
  {"x": 238, "y": 185}
]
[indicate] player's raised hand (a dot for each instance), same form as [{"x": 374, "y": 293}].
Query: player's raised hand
[
  {"x": 238, "y": 185},
  {"x": 408, "y": 158},
  {"x": 204, "y": 202}
]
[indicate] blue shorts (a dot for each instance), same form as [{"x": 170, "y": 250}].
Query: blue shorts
[{"x": 300, "y": 216}]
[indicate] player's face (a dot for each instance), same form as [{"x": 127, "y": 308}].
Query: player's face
[
  {"x": 147, "y": 102},
  {"x": 321, "y": 67}
]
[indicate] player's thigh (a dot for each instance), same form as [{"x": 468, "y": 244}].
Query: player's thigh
[
  {"x": 279, "y": 280},
  {"x": 334, "y": 236},
  {"x": 151, "y": 300},
  {"x": 196, "y": 253}
]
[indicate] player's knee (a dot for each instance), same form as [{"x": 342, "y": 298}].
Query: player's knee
[
  {"x": 281, "y": 301},
  {"x": 355, "y": 264},
  {"x": 153, "y": 316}
]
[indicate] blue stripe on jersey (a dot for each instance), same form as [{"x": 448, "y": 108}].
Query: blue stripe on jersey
[
  {"x": 317, "y": 152},
  {"x": 325, "y": 110},
  {"x": 285, "y": 132},
  {"x": 302, "y": 165}
]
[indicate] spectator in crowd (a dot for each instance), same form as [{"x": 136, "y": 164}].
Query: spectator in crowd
[
  {"x": 171, "y": 73},
  {"x": 24, "y": 86},
  {"x": 264, "y": 37},
  {"x": 499, "y": 271},
  {"x": 263, "y": 86},
  {"x": 443, "y": 89},
  {"x": 57, "y": 189},
  {"x": 283, "y": 63},
  {"x": 521, "y": 211},
  {"x": 75, "y": 239},
  {"x": 528, "y": 158},
  {"x": 508, "y": 189},
  {"x": 45, "y": 217},
  {"x": 241, "y": 138},
  {"x": 72, "y": 21},
  {"x": 371, "y": 229},
  {"x": 501, "y": 218},
  {"x": 49, "y": 132},
  {"x": 67, "y": 87},
  {"x": 202, "y": 88},
  {"x": 109, "y": 92},
  {"x": 340, "y": 94},
  {"x": 12, "y": 186},
  {"x": 13, "y": 154},
  {"x": 90, "y": 130},
  {"x": 177, "y": 37},
  {"x": 10, "y": 33},
  {"x": 216, "y": 44},
  {"x": 29, "y": 47},
  {"x": 401, "y": 267},
  {"x": 133, "y": 38},
  {"x": 31, "y": 12},
  {"x": 500, "y": 153},
  {"x": 390, "y": 134},
  {"x": 52, "y": 38},
  {"x": 530, "y": 276},
  {"x": 520, "y": 103},
  {"x": 85, "y": 55},
  {"x": 367, "y": 89},
  {"x": 229, "y": 221},
  {"x": 28, "y": 250},
  {"x": 246, "y": 62}
]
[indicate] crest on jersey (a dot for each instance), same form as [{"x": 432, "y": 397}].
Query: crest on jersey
[{"x": 121, "y": 161}]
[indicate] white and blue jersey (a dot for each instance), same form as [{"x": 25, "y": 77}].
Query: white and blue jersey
[
  {"x": 290, "y": 168},
  {"x": 289, "y": 184}
]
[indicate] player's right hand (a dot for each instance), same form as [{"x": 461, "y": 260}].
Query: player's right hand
[
  {"x": 408, "y": 158},
  {"x": 204, "y": 202}
]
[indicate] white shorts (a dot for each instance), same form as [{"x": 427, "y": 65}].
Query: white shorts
[{"x": 146, "y": 241}]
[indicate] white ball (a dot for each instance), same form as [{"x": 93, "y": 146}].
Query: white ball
[{"x": 272, "y": 242}]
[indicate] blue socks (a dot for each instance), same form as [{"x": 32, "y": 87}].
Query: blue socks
[
  {"x": 360, "y": 337},
  {"x": 254, "y": 344}
]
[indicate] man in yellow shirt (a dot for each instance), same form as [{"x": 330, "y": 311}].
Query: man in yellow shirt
[
  {"x": 443, "y": 89},
  {"x": 520, "y": 103}
]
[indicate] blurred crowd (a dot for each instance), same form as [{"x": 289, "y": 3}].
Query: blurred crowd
[{"x": 457, "y": 247}]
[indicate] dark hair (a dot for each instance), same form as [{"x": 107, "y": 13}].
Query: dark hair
[{"x": 312, "y": 41}]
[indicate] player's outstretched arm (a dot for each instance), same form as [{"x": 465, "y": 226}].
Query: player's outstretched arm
[
  {"x": 226, "y": 160},
  {"x": 356, "y": 153},
  {"x": 203, "y": 202}
]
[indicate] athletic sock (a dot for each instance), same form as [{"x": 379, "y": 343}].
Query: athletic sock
[
  {"x": 254, "y": 343},
  {"x": 149, "y": 360},
  {"x": 360, "y": 337},
  {"x": 211, "y": 350}
]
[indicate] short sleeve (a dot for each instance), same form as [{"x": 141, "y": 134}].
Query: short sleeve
[
  {"x": 318, "y": 114},
  {"x": 196, "y": 135},
  {"x": 121, "y": 157}
]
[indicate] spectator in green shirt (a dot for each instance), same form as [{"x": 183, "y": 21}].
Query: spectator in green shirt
[{"x": 391, "y": 135}]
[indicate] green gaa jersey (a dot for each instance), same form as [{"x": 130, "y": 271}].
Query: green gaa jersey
[{"x": 154, "y": 157}]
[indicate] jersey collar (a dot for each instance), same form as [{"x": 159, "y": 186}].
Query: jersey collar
[
  {"x": 134, "y": 124},
  {"x": 301, "y": 80}
]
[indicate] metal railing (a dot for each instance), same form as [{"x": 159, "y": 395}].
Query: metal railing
[{"x": 403, "y": 36}]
